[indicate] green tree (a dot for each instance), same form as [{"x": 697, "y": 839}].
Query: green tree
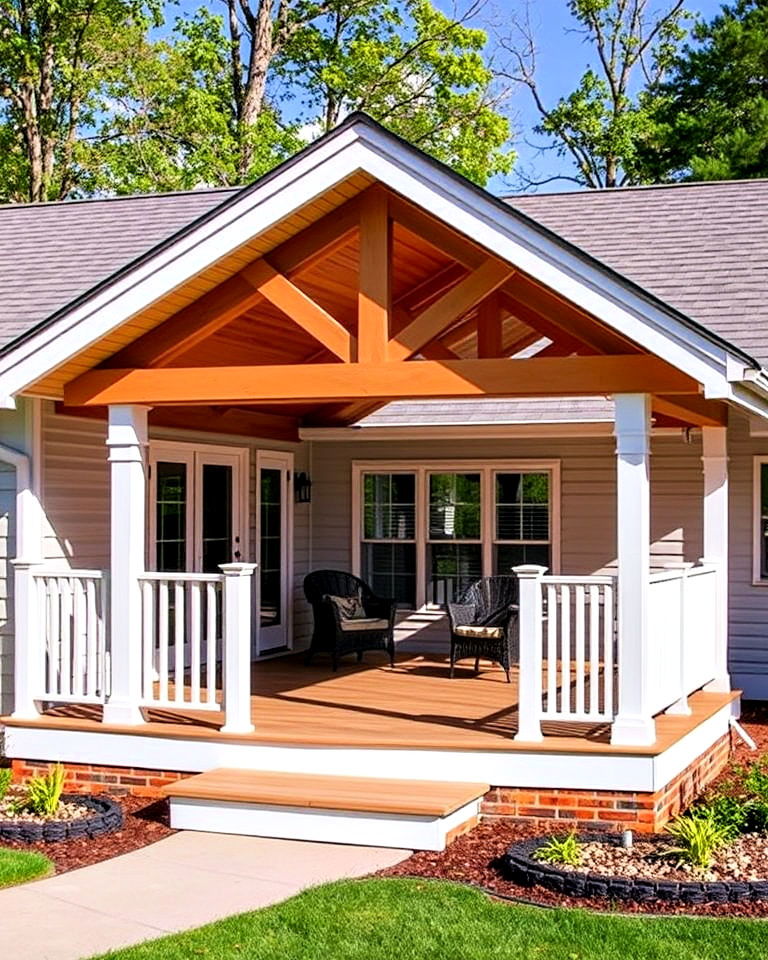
[
  {"x": 712, "y": 114},
  {"x": 601, "y": 124},
  {"x": 52, "y": 55},
  {"x": 415, "y": 69}
]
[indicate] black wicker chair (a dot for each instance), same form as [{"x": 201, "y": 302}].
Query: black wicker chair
[
  {"x": 337, "y": 635},
  {"x": 484, "y": 623}
]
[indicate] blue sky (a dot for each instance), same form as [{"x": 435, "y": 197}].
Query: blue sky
[{"x": 563, "y": 57}]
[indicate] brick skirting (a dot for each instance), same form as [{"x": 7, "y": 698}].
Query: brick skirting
[
  {"x": 589, "y": 810},
  {"x": 93, "y": 778},
  {"x": 606, "y": 810}
]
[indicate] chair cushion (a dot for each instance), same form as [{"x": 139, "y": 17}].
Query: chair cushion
[
  {"x": 480, "y": 632},
  {"x": 364, "y": 623},
  {"x": 349, "y": 608}
]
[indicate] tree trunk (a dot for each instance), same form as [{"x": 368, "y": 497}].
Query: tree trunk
[{"x": 262, "y": 53}]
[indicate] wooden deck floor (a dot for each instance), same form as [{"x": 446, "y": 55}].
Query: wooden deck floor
[{"x": 414, "y": 705}]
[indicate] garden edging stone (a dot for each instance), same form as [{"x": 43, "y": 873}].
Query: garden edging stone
[
  {"x": 107, "y": 816},
  {"x": 519, "y": 865}
]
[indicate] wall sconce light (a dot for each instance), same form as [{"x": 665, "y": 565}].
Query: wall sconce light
[{"x": 302, "y": 488}]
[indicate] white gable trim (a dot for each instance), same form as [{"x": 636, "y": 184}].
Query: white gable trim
[{"x": 361, "y": 146}]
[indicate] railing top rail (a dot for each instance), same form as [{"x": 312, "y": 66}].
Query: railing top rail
[
  {"x": 580, "y": 581},
  {"x": 703, "y": 568},
  {"x": 677, "y": 573},
  {"x": 67, "y": 574},
  {"x": 183, "y": 577}
]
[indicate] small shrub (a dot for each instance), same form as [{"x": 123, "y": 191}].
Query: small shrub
[
  {"x": 560, "y": 850},
  {"x": 44, "y": 793},
  {"x": 756, "y": 816},
  {"x": 6, "y": 775},
  {"x": 730, "y": 814},
  {"x": 698, "y": 837},
  {"x": 756, "y": 780}
]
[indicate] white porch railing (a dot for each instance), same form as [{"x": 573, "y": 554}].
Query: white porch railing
[
  {"x": 682, "y": 634},
  {"x": 181, "y": 639},
  {"x": 579, "y": 635},
  {"x": 70, "y": 609}
]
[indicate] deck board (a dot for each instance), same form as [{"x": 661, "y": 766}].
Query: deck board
[
  {"x": 425, "y": 798},
  {"x": 414, "y": 706}
]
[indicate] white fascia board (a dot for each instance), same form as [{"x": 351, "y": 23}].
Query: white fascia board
[{"x": 355, "y": 148}]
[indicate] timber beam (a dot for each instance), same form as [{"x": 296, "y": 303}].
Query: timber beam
[
  {"x": 337, "y": 382},
  {"x": 695, "y": 410}
]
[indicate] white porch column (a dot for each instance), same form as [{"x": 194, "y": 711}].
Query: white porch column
[
  {"x": 237, "y": 646},
  {"x": 634, "y": 724},
  {"x": 127, "y": 443},
  {"x": 29, "y": 664},
  {"x": 715, "y": 463},
  {"x": 530, "y": 632}
]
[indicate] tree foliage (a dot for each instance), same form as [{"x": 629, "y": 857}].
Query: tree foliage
[
  {"x": 712, "y": 114},
  {"x": 600, "y": 125},
  {"x": 99, "y": 96}
]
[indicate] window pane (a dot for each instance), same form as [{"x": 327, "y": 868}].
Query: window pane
[
  {"x": 452, "y": 567},
  {"x": 522, "y": 506},
  {"x": 217, "y": 516},
  {"x": 270, "y": 535},
  {"x": 764, "y": 521},
  {"x": 390, "y": 570},
  {"x": 508, "y": 555},
  {"x": 454, "y": 506},
  {"x": 171, "y": 517},
  {"x": 389, "y": 506}
]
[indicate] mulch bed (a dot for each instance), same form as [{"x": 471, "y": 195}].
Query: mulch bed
[
  {"x": 144, "y": 822},
  {"x": 475, "y": 857}
]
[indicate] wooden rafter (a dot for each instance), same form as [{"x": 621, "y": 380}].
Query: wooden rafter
[
  {"x": 449, "y": 308},
  {"x": 695, "y": 410},
  {"x": 233, "y": 297},
  {"x": 489, "y": 329},
  {"x": 310, "y": 316},
  {"x": 335, "y": 382},
  {"x": 374, "y": 300},
  {"x": 558, "y": 332},
  {"x": 436, "y": 233}
]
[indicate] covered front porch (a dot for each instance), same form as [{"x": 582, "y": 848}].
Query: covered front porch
[{"x": 306, "y": 318}]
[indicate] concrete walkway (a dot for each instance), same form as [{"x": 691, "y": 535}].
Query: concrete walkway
[{"x": 184, "y": 881}]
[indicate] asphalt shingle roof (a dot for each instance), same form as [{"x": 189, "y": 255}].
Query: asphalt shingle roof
[
  {"x": 701, "y": 248},
  {"x": 51, "y": 253}
]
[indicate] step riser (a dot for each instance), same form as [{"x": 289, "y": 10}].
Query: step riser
[{"x": 327, "y": 826}]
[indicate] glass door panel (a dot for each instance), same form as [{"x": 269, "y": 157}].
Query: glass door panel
[
  {"x": 273, "y": 550},
  {"x": 216, "y": 521},
  {"x": 172, "y": 516}
]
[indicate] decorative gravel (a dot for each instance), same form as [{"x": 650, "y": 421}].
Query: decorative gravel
[
  {"x": 745, "y": 859},
  {"x": 67, "y": 810}
]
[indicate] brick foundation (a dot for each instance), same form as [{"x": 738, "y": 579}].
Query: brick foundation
[
  {"x": 590, "y": 810},
  {"x": 92, "y": 778},
  {"x": 605, "y": 810}
]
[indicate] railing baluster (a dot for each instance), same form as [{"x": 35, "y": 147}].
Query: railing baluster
[
  {"x": 552, "y": 620},
  {"x": 78, "y": 626},
  {"x": 65, "y": 638},
  {"x": 580, "y": 614},
  {"x": 211, "y": 616},
  {"x": 148, "y": 637},
  {"x": 195, "y": 640},
  {"x": 179, "y": 617},
  {"x": 566, "y": 706},
  {"x": 594, "y": 650},
  {"x": 91, "y": 639},
  {"x": 162, "y": 641}
]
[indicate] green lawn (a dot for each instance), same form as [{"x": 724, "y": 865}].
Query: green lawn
[
  {"x": 422, "y": 920},
  {"x": 18, "y": 866}
]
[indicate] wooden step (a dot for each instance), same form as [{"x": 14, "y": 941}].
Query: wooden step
[{"x": 412, "y": 814}]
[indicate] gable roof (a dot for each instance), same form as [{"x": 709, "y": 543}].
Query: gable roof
[
  {"x": 361, "y": 145},
  {"x": 700, "y": 247},
  {"x": 53, "y": 253}
]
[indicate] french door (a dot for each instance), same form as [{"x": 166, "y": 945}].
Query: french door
[
  {"x": 273, "y": 523},
  {"x": 196, "y": 518}
]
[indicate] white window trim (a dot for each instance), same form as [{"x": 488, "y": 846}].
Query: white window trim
[
  {"x": 487, "y": 469},
  {"x": 757, "y": 579}
]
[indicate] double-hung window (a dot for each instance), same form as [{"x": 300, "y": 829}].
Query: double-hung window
[{"x": 423, "y": 532}]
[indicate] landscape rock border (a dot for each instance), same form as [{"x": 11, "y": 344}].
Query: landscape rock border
[
  {"x": 518, "y": 865},
  {"x": 107, "y": 817}
]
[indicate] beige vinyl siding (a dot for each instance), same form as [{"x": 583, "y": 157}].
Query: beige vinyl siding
[
  {"x": 13, "y": 433},
  {"x": 588, "y": 501},
  {"x": 76, "y": 496},
  {"x": 748, "y": 604}
]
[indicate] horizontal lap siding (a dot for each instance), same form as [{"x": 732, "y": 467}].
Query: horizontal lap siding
[
  {"x": 748, "y": 604},
  {"x": 76, "y": 496},
  {"x": 588, "y": 501}
]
